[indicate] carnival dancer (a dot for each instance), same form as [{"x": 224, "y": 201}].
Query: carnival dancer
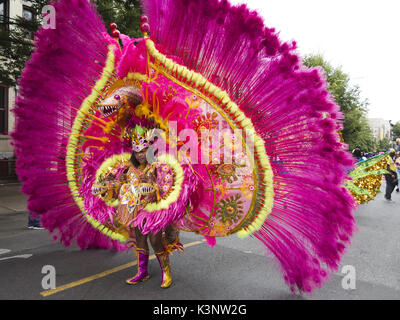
[
  {"x": 274, "y": 166},
  {"x": 137, "y": 186}
]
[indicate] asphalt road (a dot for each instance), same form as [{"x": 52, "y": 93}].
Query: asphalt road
[{"x": 235, "y": 269}]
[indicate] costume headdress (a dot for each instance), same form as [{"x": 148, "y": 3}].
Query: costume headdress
[
  {"x": 207, "y": 66},
  {"x": 140, "y": 137}
]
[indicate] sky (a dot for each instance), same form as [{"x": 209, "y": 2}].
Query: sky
[{"x": 360, "y": 36}]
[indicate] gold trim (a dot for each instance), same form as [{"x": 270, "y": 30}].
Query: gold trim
[
  {"x": 265, "y": 206},
  {"x": 233, "y": 127},
  {"x": 74, "y": 141}
]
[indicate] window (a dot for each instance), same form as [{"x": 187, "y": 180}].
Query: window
[
  {"x": 27, "y": 14},
  {"x": 3, "y": 109},
  {"x": 4, "y": 15}
]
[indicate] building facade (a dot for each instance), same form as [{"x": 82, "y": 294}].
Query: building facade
[
  {"x": 380, "y": 128},
  {"x": 9, "y": 10}
]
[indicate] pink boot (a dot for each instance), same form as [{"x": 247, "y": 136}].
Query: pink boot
[
  {"x": 163, "y": 260},
  {"x": 142, "y": 262}
]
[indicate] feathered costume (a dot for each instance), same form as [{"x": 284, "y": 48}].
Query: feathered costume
[{"x": 220, "y": 87}]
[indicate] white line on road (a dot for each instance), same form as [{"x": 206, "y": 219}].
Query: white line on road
[{"x": 23, "y": 256}]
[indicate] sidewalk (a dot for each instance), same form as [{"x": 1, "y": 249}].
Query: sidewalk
[{"x": 12, "y": 200}]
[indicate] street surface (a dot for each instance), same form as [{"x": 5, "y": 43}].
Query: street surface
[{"x": 235, "y": 269}]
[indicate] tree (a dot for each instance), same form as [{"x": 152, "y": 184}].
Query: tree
[
  {"x": 396, "y": 131},
  {"x": 16, "y": 47},
  {"x": 383, "y": 145},
  {"x": 126, "y": 14},
  {"x": 356, "y": 131}
]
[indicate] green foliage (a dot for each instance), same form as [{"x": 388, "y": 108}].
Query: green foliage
[
  {"x": 383, "y": 145},
  {"x": 396, "y": 130},
  {"x": 126, "y": 14},
  {"x": 16, "y": 47},
  {"x": 356, "y": 131}
]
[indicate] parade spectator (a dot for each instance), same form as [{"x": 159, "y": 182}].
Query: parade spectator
[
  {"x": 357, "y": 154},
  {"x": 34, "y": 223},
  {"x": 363, "y": 157},
  {"x": 397, "y": 163},
  {"x": 391, "y": 178}
]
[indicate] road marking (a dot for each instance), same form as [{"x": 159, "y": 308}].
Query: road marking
[
  {"x": 23, "y": 256},
  {"x": 5, "y": 251},
  {"x": 14, "y": 210},
  {"x": 104, "y": 274}
]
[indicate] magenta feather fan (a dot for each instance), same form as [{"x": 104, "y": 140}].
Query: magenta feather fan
[
  {"x": 311, "y": 221},
  {"x": 67, "y": 61}
]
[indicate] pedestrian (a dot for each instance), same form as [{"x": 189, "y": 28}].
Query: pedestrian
[
  {"x": 363, "y": 157},
  {"x": 391, "y": 177},
  {"x": 357, "y": 154},
  {"x": 34, "y": 223},
  {"x": 397, "y": 163}
]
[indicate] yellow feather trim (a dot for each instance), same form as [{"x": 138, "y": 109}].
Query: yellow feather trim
[
  {"x": 111, "y": 162},
  {"x": 174, "y": 195},
  {"x": 241, "y": 120},
  {"x": 72, "y": 147},
  {"x": 105, "y": 167}
]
